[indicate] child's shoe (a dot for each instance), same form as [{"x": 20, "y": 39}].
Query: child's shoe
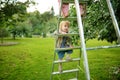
[{"x": 68, "y": 58}]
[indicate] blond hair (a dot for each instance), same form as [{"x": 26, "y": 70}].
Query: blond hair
[{"x": 62, "y": 23}]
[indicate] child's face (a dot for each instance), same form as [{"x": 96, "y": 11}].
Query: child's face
[{"x": 65, "y": 28}]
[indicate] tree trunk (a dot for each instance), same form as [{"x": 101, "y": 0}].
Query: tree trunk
[
  {"x": 1, "y": 32},
  {"x": 2, "y": 40},
  {"x": 14, "y": 35}
]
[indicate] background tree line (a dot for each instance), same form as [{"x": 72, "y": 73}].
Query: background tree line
[{"x": 15, "y": 21}]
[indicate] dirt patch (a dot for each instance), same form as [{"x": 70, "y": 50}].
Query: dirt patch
[{"x": 8, "y": 43}]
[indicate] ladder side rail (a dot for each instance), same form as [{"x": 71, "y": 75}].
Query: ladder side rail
[
  {"x": 102, "y": 47},
  {"x": 83, "y": 49},
  {"x": 60, "y": 8},
  {"x": 51, "y": 77},
  {"x": 115, "y": 23}
]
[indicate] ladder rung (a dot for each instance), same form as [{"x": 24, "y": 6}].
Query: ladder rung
[
  {"x": 63, "y": 61},
  {"x": 102, "y": 47},
  {"x": 68, "y": 18},
  {"x": 63, "y": 49},
  {"x": 66, "y": 71},
  {"x": 72, "y": 1},
  {"x": 73, "y": 79},
  {"x": 69, "y": 34}
]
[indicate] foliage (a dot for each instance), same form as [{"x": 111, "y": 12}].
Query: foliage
[
  {"x": 102, "y": 21},
  {"x": 3, "y": 33},
  {"x": 15, "y": 18},
  {"x": 42, "y": 23},
  {"x": 11, "y": 13},
  {"x": 98, "y": 23}
]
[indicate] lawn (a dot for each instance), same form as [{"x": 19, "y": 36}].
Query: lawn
[{"x": 31, "y": 59}]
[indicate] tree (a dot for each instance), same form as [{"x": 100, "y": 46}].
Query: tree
[
  {"x": 45, "y": 18},
  {"x": 35, "y": 21},
  {"x": 98, "y": 23},
  {"x": 40, "y": 22},
  {"x": 3, "y": 33},
  {"x": 12, "y": 12}
]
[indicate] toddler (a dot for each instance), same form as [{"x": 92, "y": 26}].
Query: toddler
[{"x": 64, "y": 42}]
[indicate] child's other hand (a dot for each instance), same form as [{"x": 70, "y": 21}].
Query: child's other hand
[
  {"x": 63, "y": 33},
  {"x": 71, "y": 46}
]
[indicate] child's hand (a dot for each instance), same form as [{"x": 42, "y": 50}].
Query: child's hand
[
  {"x": 63, "y": 33},
  {"x": 71, "y": 46}
]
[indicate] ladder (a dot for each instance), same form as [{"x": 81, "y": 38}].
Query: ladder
[
  {"x": 81, "y": 34},
  {"x": 82, "y": 47},
  {"x": 115, "y": 23}
]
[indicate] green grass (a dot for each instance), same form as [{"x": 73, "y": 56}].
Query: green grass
[
  {"x": 31, "y": 59},
  {"x": 102, "y": 61}
]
